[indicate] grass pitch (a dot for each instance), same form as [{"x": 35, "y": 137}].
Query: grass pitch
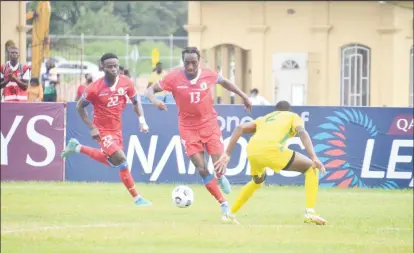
[{"x": 101, "y": 218}]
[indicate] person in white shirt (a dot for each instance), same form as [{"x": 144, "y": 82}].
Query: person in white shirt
[{"x": 256, "y": 98}]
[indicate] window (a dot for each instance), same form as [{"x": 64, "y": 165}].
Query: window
[
  {"x": 355, "y": 75},
  {"x": 411, "y": 78},
  {"x": 290, "y": 64}
]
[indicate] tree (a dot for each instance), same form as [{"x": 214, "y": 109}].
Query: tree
[
  {"x": 152, "y": 18},
  {"x": 90, "y": 22}
]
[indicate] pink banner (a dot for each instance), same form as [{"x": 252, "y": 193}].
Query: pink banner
[{"x": 32, "y": 137}]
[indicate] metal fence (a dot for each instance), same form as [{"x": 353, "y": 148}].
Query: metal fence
[
  {"x": 134, "y": 53},
  {"x": 126, "y": 47}
]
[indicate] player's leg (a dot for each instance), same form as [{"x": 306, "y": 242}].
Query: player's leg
[
  {"x": 214, "y": 143},
  {"x": 303, "y": 164},
  {"x": 223, "y": 182},
  {"x": 208, "y": 179},
  {"x": 74, "y": 146},
  {"x": 118, "y": 160},
  {"x": 247, "y": 192},
  {"x": 258, "y": 177}
]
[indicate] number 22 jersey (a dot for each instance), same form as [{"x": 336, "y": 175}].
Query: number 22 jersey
[
  {"x": 109, "y": 102},
  {"x": 193, "y": 97}
]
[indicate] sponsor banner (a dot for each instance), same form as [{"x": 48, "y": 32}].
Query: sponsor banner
[
  {"x": 32, "y": 137},
  {"x": 361, "y": 147}
]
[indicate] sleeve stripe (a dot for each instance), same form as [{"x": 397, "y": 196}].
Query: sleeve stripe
[{"x": 219, "y": 79}]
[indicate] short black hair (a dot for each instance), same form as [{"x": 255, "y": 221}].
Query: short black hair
[
  {"x": 254, "y": 90},
  {"x": 121, "y": 67},
  {"x": 283, "y": 106},
  {"x": 108, "y": 56},
  {"x": 190, "y": 50}
]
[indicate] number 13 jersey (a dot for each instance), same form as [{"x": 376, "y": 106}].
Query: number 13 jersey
[
  {"x": 193, "y": 97},
  {"x": 109, "y": 102}
]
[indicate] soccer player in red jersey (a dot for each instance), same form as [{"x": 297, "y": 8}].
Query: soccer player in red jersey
[
  {"x": 15, "y": 78},
  {"x": 108, "y": 95},
  {"x": 82, "y": 87},
  {"x": 198, "y": 126}
]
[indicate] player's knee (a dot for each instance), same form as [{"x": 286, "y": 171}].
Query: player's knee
[
  {"x": 121, "y": 164},
  {"x": 259, "y": 179},
  {"x": 203, "y": 171}
]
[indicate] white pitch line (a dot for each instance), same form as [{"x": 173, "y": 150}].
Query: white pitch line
[
  {"x": 88, "y": 226},
  {"x": 45, "y": 228}
]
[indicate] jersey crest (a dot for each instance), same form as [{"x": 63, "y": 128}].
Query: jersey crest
[
  {"x": 121, "y": 91},
  {"x": 203, "y": 86}
]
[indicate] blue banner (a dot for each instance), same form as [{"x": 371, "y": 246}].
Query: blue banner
[{"x": 360, "y": 147}]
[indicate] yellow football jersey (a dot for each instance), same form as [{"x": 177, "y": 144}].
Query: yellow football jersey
[{"x": 274, "y": 129}]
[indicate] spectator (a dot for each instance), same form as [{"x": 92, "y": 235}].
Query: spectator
[
  {"x": 121, "y": 70},
  {"x": 15, "y": 77},
  {"x": 157, "y": 74},
  {"x": 101, "y": 73},
  {"x": 35, "y": 91},
  {"x": 49, "y": 81},
  {"x": 82, "y": 87},
  {"x": 257, "y": 99},
  {"x": 126, "y": 72}
]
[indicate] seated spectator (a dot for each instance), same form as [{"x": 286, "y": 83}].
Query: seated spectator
[
  {"x": 35, "y": 91},
  {"x": 82, "y": 87}
]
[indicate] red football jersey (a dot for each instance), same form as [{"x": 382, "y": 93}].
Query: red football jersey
[
  {"x": 193, "y": 97},
  {"x": 109, "y": 102},
  {"x": 12, "y": 92}
]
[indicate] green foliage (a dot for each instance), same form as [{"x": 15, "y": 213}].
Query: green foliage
[
  {"x": 152, "y": 18},
  {"x": 102, "y": 22}
]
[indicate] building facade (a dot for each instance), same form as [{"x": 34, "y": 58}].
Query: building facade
[
  {"x": 13, "y": 28},
  {"x": 310, "y": 53}
]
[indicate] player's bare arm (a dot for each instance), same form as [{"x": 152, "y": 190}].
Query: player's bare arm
[
  {"x": 140, "y": 112},
  {"x": 226, "y": 84},
  {"x": 150, "y": 93},
  {"x": 307, "y": 142},
  {"x": 5, "y": 82},
  {"x": 80, "y": 107},
  {"x": 221, "y": 165},
  {"x": 23, "y": 84}
]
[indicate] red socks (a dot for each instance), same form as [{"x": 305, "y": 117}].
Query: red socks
[
  {"x": 128, "y": 181},
  {"x": 214, "y": 189},
  {"x": 124, "y": 174},
  {"x": 95, "y": 154}
]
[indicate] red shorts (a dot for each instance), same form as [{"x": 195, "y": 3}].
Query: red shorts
[
  {"x": 208, "y": 135},
  {"x": 111, "y": 142}
]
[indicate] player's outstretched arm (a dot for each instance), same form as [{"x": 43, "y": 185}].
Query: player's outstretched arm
[
  {"x": 226, "y": 84},
  {"x": 221, "y": 165},
  {"x": 150, "y": 93},
  {"x": 307, "y": 142},
  {"x": 245, "y": 128}
]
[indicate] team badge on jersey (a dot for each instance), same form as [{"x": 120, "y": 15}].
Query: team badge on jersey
[
  {"x": 121, "y": 91},
  {"x": 203, "y": 86}
]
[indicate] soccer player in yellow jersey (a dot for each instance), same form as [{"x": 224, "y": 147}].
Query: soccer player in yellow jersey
[{"x": 266, "y": 148}]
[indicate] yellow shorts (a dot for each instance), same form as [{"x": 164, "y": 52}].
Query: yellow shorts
[{"x": 275, "y": 158}]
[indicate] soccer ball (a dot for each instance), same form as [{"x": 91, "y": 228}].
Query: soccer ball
[{"x": 182, "y": 196}]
